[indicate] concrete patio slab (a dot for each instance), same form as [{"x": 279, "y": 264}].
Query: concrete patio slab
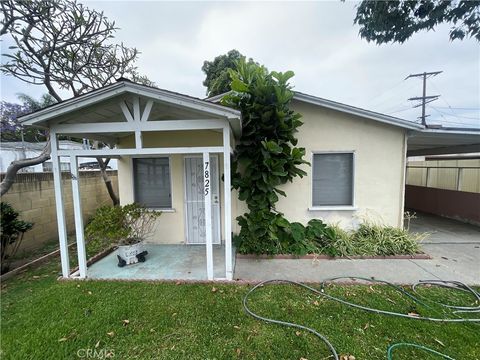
[
  {"x": 453, "y": 246},
  {"x": 164, "y": 262}
]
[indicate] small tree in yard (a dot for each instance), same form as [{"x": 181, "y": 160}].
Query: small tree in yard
[{"x": 62, "y": 45}]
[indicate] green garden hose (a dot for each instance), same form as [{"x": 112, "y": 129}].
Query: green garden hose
[
  {"x": 449, "y": 284},
  {"x": 421, "y": 347}
]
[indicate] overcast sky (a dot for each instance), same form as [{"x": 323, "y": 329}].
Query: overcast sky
[{"x": 317, "y": 40}]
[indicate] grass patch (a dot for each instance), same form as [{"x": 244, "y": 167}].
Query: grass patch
[{"x": 43, "y": 318}]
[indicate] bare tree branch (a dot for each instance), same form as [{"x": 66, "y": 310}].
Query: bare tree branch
[
  {"x": 16, "y": 165},
  {"x": 62, "y": 44}
]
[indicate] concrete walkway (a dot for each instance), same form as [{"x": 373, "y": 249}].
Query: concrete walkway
[
  {"x": 164, "y": 262},
  {"x": 453, "y": 246}
]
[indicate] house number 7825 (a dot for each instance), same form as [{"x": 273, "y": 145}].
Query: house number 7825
[{"x": 207, "y": 177}]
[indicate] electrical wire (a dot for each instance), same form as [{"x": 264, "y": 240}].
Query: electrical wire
[
  {"x": 415, "y": 297},
  {"x": 457, "y": 116},
  {"x": 458, "y": 108},
  {"x": 445, "y": 120}
]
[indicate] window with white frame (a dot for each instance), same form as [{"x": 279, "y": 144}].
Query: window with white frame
[
  {"x": 151, "y": 179},
  {"x": 332, "y": 179}
]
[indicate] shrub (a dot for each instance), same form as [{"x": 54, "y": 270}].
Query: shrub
[
  {"x": 319, "y": 238},
  {"x": 11, "y": 233},
  {"x": 374, "y": 240},
  {"x": 121, "y": 225},
  {"x": 293, "y": 238}
]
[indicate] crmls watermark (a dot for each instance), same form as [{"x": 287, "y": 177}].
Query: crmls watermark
[{"x": 95, "y": 353}]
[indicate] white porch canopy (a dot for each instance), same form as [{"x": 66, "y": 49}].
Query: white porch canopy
[{"x": 125, "y": 109}]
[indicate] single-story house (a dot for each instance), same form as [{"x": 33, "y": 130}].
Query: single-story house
[{"x": 167, "y": 142}]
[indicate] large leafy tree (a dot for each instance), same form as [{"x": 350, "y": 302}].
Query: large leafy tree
[
  {"x": 266, "y": 156},
  {"x": 396, "y": 21},
  {"x": 217, "y": 77},
  {"x": 62, "y": 45}
]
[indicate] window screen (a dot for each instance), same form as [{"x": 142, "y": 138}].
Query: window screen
[
  {"x": 152, "y": 182},
  {"x": 332, "y": 179}
]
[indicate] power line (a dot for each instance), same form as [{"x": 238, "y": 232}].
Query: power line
[
  {"x": 396, "y": 107},
  {"x": 449, "y": 107},
  {"x": 443, "y": 98},
  {"x": 384, "y": 92},
  {"x": 390, "y": 94},
  {"x": 458, "y": 108},
  {"x": 401, "y": 110},
  {"x": 454, "y": 115},
  {"x": 424, "y": 98},
  {"x": 447, "y": 120}
]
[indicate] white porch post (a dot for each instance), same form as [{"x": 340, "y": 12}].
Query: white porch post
[
  {"x": 227, "y": 203},
  {"x": 62, "y": 228},
  {"x": 208, "y": 213},
  {"x": 77, "y": 210}
]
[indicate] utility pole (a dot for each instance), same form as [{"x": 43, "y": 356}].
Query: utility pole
[{"x": 424, "y": 98}]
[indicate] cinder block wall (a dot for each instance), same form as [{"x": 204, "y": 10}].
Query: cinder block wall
[{"x": 33, "y": 196}]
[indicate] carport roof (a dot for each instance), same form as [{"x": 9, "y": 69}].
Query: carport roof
[{"x": 443, "y": 141}]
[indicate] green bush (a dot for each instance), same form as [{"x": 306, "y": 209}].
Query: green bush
[
  {"x": 374, "y": 240},
  {"x": 11, "y": 233},
  {"x": 290, "y": 238},
  {"x": 319, "y": 238},
  {"x": 119, "y": 225}
]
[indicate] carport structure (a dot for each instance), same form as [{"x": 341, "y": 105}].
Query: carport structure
[
  {"x": 441, "y": 141},
  {"x": 446, "y": 194}
]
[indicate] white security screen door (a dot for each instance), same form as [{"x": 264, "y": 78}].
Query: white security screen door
[{"x": 195, "y": 200}]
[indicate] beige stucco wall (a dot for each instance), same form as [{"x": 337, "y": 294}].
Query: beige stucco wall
[
  {"x": 170, "y": 227},
  {"x": 379, "y": 167},
  {"x": 378, "y": 180}
]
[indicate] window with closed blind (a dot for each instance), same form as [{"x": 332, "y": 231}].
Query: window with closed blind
[
  {"x": 332, "y": 179},
  {"x": 151, "y": 177}
]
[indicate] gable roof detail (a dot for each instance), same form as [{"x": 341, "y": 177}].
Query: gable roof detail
[{"x": 40, "y": 117}]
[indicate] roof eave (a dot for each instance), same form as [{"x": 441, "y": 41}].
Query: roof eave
[{"x": 357, "y": 111}]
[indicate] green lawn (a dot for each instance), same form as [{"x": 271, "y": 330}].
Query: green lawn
[{"x": 42, "y": 318}]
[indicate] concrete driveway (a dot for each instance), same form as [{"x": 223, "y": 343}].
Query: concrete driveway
[{"x": 453, "y": 246}]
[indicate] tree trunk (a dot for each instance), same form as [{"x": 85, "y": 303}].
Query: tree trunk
[
  {"x": 107, "y": 180},
  {"x": 17, "y": 165}
]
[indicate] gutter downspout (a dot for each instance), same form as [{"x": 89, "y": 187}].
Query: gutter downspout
[{"x": 403, "y": 183}]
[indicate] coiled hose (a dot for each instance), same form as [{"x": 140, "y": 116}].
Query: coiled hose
[{"x": 457, "y": 285}]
